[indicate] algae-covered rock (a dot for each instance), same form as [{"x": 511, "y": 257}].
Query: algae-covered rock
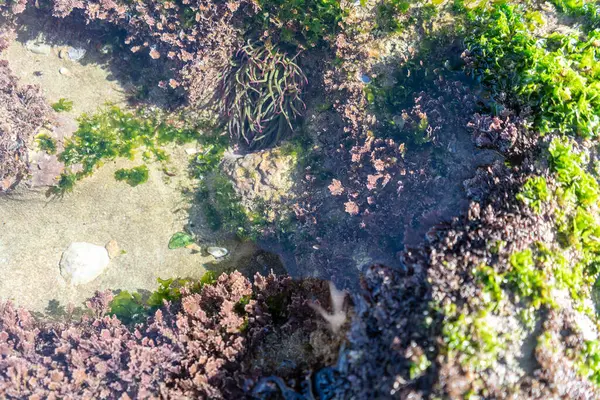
[{"x": 264, "y": 177}]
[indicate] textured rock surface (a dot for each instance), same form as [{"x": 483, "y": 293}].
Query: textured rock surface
[
  {"x": 83, "y": 262},
  {"x": 261, "y": 177},
  {"x": 113, "y": 249}
]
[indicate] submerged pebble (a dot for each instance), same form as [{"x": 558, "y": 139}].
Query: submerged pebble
[
  {"x": 217, "y": 252},
  {"x": 38, "y": 48},
  {"x": 82, "y": 262},
  {"x": 113, "y": 249},
  {"x": 76, "y": 54}
]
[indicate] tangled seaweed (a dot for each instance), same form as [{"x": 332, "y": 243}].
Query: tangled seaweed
[
  {"x": 208, "y": 344},
  {"x": 260, "y": 95},
  {"x": 22, "y": 113}
]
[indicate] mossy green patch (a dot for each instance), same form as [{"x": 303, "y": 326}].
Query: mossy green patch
[
  {"x": 180, "y": 239},
  {"x": 534, "y": 193},
  {"x": 470, "y": 338},
  {"x": 134, "y": 176},
  {"x": 62, "y": 105},
  {"x": 113, "y": 133},
  {"x": 558, "y": 76},
  {"x": 301, "y": 22},
  {"x": 46, "y": 143},
  {"x": 134, "y": 307},
  {"x": 587, "y": 10}
]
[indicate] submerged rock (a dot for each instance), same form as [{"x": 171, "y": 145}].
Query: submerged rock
[
  {"x": 38, "y": 48},
  {"x": 44, "y": 169},
  {"x": 76, "y": 54},
  {"x": 113, "y": 249},
  {"x": 83, "y": 262},
  {"x": 264, "y": 177},
  {"x": 217, "y": 252}
]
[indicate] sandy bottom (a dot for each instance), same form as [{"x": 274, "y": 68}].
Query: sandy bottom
[{"x": 35, "y": 229}]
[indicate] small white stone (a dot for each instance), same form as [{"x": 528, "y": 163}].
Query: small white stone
[
  {"x": 83, "y": 262},
  {"x": 64, "y": 71},
  {"x": 217, "y": 252},
  {"x": 76, "y": 54}
]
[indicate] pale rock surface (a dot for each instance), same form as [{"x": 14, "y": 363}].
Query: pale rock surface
[
  {"x": 113, "y": 249},
  {"x": 83, "y": 262}
]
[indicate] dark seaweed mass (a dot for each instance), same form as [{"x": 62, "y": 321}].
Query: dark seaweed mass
[{"x": 214, "y": 343}]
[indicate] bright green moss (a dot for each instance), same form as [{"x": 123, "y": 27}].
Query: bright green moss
[
  {"x": 528, "y": 280},
  {"x": 534, "y": 193},
  {"x": 557, "y": 76},
  {"x": 419, "y": 367},
  {"x": 46, "y": 143},
  {"x": 588, "y": 10},
  {"x": 134, "y": 176},
  {"x": 491, "y": 281},
  {"x": 63, "y": 105},
  {"x": 114, "y": 133},
  {"x": 588, "y": 362},
  {"x": 301, "y": 22},
  {"x": 470, "y": 338},
  {"x": 569, "y": 167}
]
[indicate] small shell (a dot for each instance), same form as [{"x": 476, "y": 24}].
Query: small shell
[{"x": 217, "y": 252}]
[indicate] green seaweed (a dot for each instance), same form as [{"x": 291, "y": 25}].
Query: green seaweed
[
  {"x": 134, "y": 176},
  {"x": 46, "y": 143},
  {"x": 558, "y": 76},
  {"x": 179, "y": 240},
  {"x": 62, "y": 105},
  {"x": 133, "y": 307},
  {"x": 301, "y": 22},
  {"x": 114, "y": 133},
  {"x": 534, "y": 193}
]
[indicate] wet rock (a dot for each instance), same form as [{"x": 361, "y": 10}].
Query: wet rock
[
  {"x": 113, "y": 249},
  {"x": 44, "y": 169},
  {"x": 38, "y": 48},
  {"x": 83, "y": 262},
  {"x": 262, "y": 177},
  {"x": 217, "y": 252},
  {"x": 7, "y": 183}
]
